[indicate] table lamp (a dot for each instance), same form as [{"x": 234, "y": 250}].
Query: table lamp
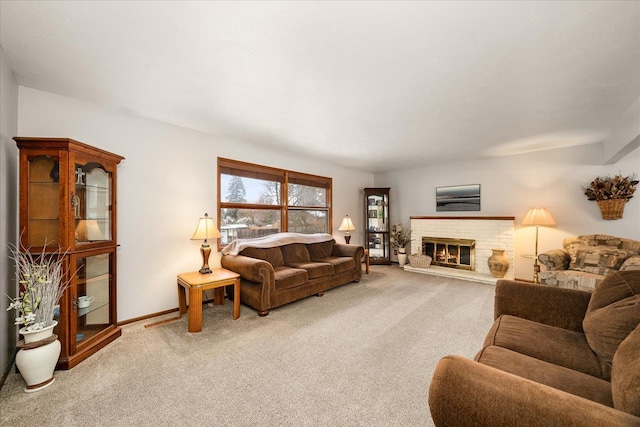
[
  {"x": 538, "y": 216},
  {"x": 347, "y": 226},
  {"x": 206, "y": 230}
]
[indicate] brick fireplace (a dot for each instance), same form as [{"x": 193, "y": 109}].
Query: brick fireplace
[{"x": 486, "y": 233}]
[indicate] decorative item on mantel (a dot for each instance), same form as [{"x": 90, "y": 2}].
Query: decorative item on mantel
[
  {"x": 498, "y": 263},
  {"x": 347, "y": 226},
  {"x": 611, "y": 194},
  {"x": 399, "y": 240},
  {"x": 42, "y": 284}
]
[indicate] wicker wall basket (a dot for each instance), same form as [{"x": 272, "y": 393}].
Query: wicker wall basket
[
  {"x": 612, "y": 208},
  {"x": 419, "y": 260}
]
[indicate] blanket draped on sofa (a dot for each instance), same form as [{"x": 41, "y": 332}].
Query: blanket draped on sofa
[{"x": 273, "y": 240}]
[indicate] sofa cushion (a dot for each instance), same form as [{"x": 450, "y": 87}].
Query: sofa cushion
[
  {"x": 295, "y": 253},
  {"x": 571, "y": 279},
  {"x": 625, "y": 375},
  {"x": 542, "y": 372},
  {"x": 287, "y": 277},
  {"x": 320, "y": 250},
  {"x": 341, "y": 264},
  {"x": 315, "y": 269},
  {"x": 613, "y": 312},
  {"x": 547, "y": 343},
  {"x": 596, "y": 259},
  {"x": 272, "y": 255}
]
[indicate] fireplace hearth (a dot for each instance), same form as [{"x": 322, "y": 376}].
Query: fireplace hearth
[{"x": 448, "y": 252}]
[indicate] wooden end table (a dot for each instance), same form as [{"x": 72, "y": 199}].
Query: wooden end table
[{"x": 196, "y": 283}]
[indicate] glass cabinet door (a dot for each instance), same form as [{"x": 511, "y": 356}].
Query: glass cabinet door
[
  {"x": 378, "y": 225},
  {"x": 44, "y": 201},
  {"x": 92, "y": 297},
  {"x": 91, "y": 204}
]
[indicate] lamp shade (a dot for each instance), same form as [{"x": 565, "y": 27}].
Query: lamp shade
[
  {"x": 347, "y": 224},
  {"x": 206, "y": 229},
  {"x": 539, "y": 216}
]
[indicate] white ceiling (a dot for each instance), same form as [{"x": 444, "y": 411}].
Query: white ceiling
[{"x": 377, "y": 86}]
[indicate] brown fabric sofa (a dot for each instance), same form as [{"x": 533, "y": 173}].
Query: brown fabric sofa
[
  {"x": 271, "y": 277},
  {"x": 554, "y": 357},
  {"x": 584, "y": 261}
]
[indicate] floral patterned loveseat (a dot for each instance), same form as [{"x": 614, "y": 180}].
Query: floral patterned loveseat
[{"x": 585, "y": 260}]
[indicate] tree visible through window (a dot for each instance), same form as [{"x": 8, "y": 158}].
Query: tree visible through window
[
  {"x": 250, "y": 201},
  {"x": 237, "y": 193}
]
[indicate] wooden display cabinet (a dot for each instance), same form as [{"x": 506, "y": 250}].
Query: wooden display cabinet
[
  {"x": 68, "y": 202},
  {"x": 377, "y": 235}
]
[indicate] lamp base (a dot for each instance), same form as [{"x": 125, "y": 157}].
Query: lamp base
[
  {"x": 347, "y": 238},
  {"x": 205, "y": 250}
]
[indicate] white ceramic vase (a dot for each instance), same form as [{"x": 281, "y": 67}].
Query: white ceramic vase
[
  {"x": 37, "y": 357},
  {"x": 402, "y": 256}
]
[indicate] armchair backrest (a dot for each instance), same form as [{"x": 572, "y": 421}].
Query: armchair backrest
[
  {"x": 613, "y": 312},
  {"x": 599, "y": 253},
  {"x": 632, "y": 247}
]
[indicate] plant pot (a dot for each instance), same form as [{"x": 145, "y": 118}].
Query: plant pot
[
  {"x": 612, "y": 208},
  {"x": 498, "y": 263},
  {"x": 36, "y": 360}
]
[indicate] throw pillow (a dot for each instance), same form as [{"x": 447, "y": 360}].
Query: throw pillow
[
  {"x": 596, "y": 259},
  {"x": 613, "y": 312}
]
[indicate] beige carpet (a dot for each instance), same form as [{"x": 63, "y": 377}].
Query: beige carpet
[{"x": 361, "y": 355}]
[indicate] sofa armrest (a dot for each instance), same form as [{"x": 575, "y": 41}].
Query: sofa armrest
[
  {"x": 354, "y": 251},
  {"x": 253, "y": 269},
  {"x": 557, "y": 259},
  {"x": 631, "y": 263},
  {"x": 564, "y": 308},
  {"x": 468, "y": 393}
]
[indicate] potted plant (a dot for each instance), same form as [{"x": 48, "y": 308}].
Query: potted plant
[
  {"x": 399, "y": 239},
  {"x": 42, "y": 280},
  {"x": 611, "y": 194}
]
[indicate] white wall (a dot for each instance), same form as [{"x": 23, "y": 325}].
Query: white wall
[
  {"x": 166, "y": 182},
  {"x": 511, "y": 185},
  {"x": 8, "y": 205}
]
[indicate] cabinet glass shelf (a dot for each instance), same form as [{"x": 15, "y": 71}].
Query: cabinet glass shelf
[{"x": 93, "y": 307}]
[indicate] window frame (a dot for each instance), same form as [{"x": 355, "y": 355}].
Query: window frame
[{"x": 251, "y": 170}]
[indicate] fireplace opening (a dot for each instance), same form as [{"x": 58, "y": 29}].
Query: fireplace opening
[{"x": 454, "y": 253}]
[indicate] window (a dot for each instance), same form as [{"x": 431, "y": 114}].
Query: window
[{"x": 255, "y": 201}]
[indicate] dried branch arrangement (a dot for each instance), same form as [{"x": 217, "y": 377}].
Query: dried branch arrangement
[
  {"x": 42, "y": 280},
  {"x": 606, "y": 188}
]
